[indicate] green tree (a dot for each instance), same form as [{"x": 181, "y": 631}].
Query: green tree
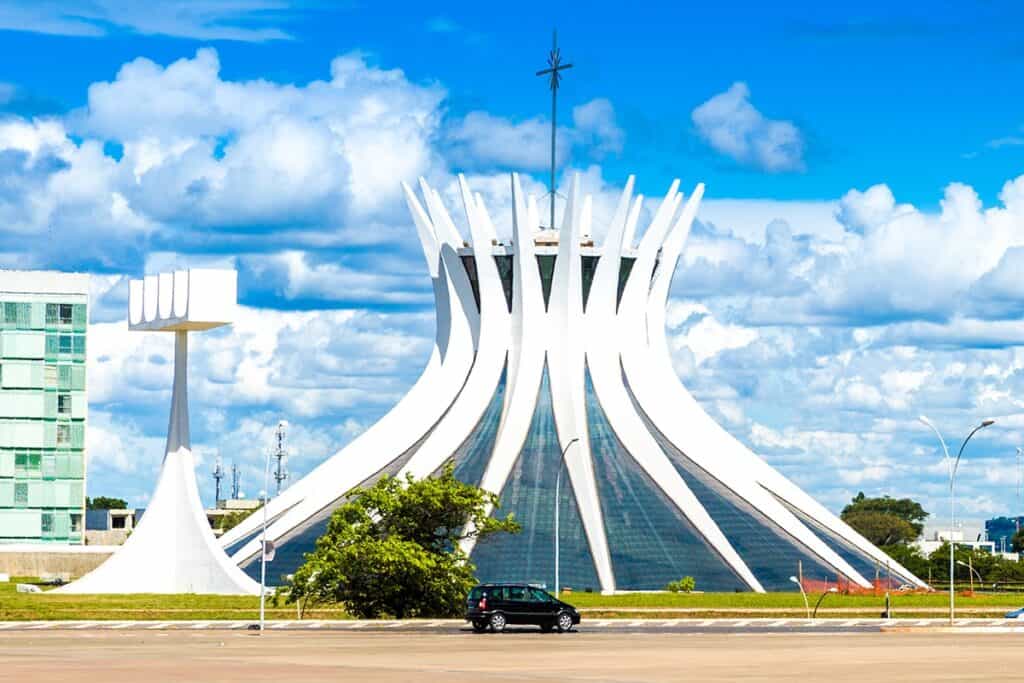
[
  {"x": 105, "y": 503},
  {"x": 908, "y": 510},
  {"x": 880, "y": 528},
  {"x": 909, "y": 556},
  {"x": 232, "y": 519},
  {"x": 394, "y": 548},
  {"x": 1017, "y": 542}
]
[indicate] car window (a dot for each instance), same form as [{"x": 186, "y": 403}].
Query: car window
[
  {"x": 537, "y": 595},
  {"x": 515, "y": 593},
  {"x": 476, "y": 593}
]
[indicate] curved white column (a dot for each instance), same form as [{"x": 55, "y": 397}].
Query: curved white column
[
  {"x": 565, "y": 368},
  {"x": 603, "y": 357},
  {"x": 680, "y": 418},
  {"x": 494, "y": 327},
  {"x": 526, "y": 352},
  {"x": 403, "y": 426}
]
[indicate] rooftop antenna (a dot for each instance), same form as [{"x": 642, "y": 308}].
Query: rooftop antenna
[
  {"x": 218, "y": 474},
  {"x": 236, "y": 478},
  {"x": 281, "y": 472},
  {"x": 555, "y": 67}
]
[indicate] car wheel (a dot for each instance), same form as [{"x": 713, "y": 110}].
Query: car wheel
[
  {"x": 479, "y": 625},
  {"x": 498, "y": 622},
  {"x": 564, "y": 622}
]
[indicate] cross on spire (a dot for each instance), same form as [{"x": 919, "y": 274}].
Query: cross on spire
[{"x": 555, "y": 67}]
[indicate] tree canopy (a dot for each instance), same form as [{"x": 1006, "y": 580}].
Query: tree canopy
[
  {"x": 105, "y": 503},
  {"x": 885, "y": 521},
  {"x": 394, "y": 548}
]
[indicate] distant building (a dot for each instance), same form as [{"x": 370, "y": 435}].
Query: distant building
[
  {"x": 939, "y": 538},
  {"x": 43, "y": 320},
  {"x": 228, "y": 507},
  {"x": 109, "y": 527},
  {"x": 1000, "y": 531}
]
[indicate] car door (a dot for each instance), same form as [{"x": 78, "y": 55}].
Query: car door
[
  {"x": 542, "y": 605},
  {"x": 517, "y": 600}
]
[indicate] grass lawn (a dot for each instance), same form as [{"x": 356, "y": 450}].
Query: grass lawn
[{"x": 16, "y": 606}]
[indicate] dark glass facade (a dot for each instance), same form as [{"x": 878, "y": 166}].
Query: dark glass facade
[
  {"x": 651, "y": 541},
  {"x": 472, "y": 456},
  {"x": 530, "y": 495}
]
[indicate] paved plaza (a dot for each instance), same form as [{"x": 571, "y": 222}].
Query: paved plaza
[{"x": 314, "y": 655}]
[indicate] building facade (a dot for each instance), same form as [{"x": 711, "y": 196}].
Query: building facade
[
  {"x": 552, "y": 385},
  {"x": 43, "y": 406},
  {"x": 1001, "y": 530}
]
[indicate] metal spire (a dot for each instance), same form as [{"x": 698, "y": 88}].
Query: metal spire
[{"x": 555, "y": 67}]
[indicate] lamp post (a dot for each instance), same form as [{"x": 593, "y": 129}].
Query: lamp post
[
  {"x": 263, "y": 543},
  {"x": 952, "y": 465},
  {"x": 807, "y": 605},
  {"x": 558, "y": 500},
  {"x": 972, "y": 571},
  {"x": 814, "y": 615}
]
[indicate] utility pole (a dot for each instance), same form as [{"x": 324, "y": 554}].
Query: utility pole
[
  {"x": 236, "y": 479},
  {"x": 218, "y": 474},
  {"x": 281, "y": 471},
  {"x": 555, "y": 67}
]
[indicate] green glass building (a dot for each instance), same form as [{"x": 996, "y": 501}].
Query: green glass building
[{"x": 43, "y": 406}]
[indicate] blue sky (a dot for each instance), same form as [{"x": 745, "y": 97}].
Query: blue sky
[{"x": 855, "y": 263}]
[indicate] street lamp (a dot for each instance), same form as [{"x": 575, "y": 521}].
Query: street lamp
[
  {"x": 558, "y": 500},
  {"x": 973, "y": 571},
  {"x": 807, "y": 605},
  {"x": 818, "y": 604},
  {"x": 952, "y": 465}
]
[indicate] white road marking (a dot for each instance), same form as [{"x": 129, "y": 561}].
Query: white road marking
[
  {"x": 776, "y": 624},
  {"x": 740, "y": 624},
  {"x": 154, "y": 627},
  {"x": 200, "y": 624},
  {"x": 315, "y": 624},
  {"x": 707, "y": 622},
  {"x": 123, "y": 624},
  {"x": 358, "y": 624},
  {"x": 849, "y": 623},
  {"x": 599, "y": 624}
]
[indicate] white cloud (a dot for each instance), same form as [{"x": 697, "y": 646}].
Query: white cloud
[
  {"x": 733, "y": 126},
  {"x": 482, "y": 139}
]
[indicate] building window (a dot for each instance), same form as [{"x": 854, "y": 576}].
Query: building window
[
  {"x": 20, "y": 494},
  {"x": 52, "y": 314},
  {"x": 63, "y": 434},
  {"x": 47, "y": 523},
  {"x": 65, "y": 314},
  {"x": 65, "y": 343},
  {"x": 64, "y": 404},
  {"x": 76, "y": 523}
]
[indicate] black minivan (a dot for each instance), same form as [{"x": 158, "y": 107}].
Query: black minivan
[{"x": 496, "y": 605}]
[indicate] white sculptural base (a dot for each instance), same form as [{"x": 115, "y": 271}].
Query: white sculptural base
[{"x": 173, "y": 549}]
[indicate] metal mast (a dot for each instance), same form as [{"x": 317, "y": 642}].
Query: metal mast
[
  {"x": 281, "y": 471},
  {"x": 555, "y": 67},
  {"x": 218, "y": 474},
  {"x": 236, "y": 478}
]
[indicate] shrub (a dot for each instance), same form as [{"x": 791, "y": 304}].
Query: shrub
[{"x": 683, "y": 585}]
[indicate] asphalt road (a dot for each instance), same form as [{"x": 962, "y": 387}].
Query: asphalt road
[
  {"x": 42, "y": 655},
  {"x": 456, "y": 626}
]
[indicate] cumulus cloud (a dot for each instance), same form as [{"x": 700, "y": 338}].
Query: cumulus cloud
[
  {"x": 483, "y": 140},
  {"x": 734, "y": 127}
]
